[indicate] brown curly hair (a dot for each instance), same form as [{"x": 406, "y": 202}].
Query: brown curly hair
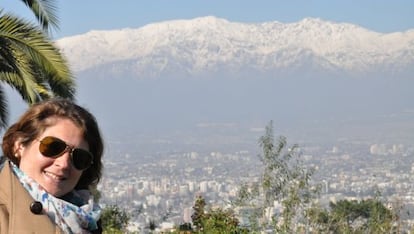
[{"x": 38, "y": 117}]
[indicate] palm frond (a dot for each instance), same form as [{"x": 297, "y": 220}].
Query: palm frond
[
  {"x": 27, "y": 88},
  {"x": 45, "y": 13},
  {"x": 3, "y": 109},
  {"x": 37, "y": 56},
  {"x": 17, "y": 72},
  {"x": 29, "y": 61}
]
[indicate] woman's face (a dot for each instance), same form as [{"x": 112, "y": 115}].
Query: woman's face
[{"x": 56, "y": 175}]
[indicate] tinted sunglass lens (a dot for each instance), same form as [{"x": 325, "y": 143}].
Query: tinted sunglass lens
[
  {"x": 81, "y": 159},
  {"x": 54, "y": 147},
  {"x": 51, "y": 147}
]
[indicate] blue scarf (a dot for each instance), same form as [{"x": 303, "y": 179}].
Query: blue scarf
[{"x": 76, "y": 214}]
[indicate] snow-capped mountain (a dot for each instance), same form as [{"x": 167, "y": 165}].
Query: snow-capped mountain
[
  {"x": 297, "y": 74},
  {"x": 210, "y": 44}
]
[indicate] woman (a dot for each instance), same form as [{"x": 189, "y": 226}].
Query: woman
[{"x": 53, "y": 158}]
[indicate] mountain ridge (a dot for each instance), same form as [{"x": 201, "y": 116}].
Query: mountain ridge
[{"x": 211, "y": 44}]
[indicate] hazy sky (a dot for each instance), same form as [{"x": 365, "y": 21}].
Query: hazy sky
[{"x": 81, "y": 16}]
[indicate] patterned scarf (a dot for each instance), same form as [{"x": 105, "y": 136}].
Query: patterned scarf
[{"x": 77, "y": 213}]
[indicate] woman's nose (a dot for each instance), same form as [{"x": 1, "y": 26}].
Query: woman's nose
[{"x": 64, "y": 160}]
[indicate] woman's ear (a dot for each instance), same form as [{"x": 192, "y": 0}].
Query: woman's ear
[{"x": 18, "y": 148}]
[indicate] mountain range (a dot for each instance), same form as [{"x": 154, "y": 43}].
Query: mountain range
[
  {"x": 209, "y": 71},
  {"x": 210, "y": 45}
]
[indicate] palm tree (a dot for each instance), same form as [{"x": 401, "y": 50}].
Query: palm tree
[{"x": 29, "y": 61}]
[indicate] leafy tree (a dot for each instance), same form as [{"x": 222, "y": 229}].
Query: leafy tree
[
  {"x": 285, "y": 180},
  {"x": 353, "y": 216},
  {"x": 220, "y": 221},
  {"x": 114, "y": 220},
  {"x": 213, "y": 220},
  {"x": 29, "y": 61},
  {"x": 198, "y": 214}
]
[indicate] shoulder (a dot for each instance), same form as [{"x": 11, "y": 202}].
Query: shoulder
[
  {"x": 15, "y": 203},
  {"x": 4, "y": 212}
]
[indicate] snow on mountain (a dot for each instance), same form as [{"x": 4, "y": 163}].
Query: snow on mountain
[
  {"x": 137, "y": 67},
  {"x": 212, "y": 44}
]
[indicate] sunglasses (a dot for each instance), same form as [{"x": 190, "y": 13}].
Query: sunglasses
[{"x": 53, "y": 147}]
